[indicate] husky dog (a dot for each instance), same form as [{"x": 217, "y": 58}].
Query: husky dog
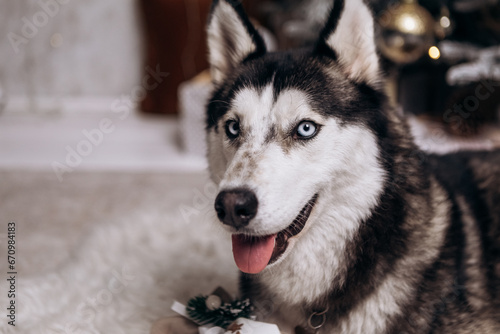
[{"x": 339, "y": 223}]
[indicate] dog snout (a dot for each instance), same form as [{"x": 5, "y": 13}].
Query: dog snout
[{"x": 236, "y": 207}]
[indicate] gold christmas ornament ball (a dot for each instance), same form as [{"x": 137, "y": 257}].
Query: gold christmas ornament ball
[{"x": 406, "y": 32}]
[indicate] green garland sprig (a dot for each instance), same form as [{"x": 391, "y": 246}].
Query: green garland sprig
[{"x": 223, "y": 316}]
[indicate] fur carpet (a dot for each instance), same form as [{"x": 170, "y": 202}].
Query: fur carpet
[{"x": 109, "y": 252}]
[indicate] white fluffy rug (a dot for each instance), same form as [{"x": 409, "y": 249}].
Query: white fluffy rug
[{"x": 109, "y": 252}]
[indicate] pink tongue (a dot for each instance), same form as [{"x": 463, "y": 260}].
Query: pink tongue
[{"x": 252, "y": 254}]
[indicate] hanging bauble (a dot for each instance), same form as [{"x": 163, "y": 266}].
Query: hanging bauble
[{"x": 407, "y": 32}]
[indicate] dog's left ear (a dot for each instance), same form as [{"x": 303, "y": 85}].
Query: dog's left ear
[
  {"x": 349, "y": 38},
  {"x": 231, "y": 38}
]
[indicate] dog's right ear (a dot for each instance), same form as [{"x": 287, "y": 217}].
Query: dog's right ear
[
  {"x": 231, "y": 38},
  {"x": 349, "y": 38}
]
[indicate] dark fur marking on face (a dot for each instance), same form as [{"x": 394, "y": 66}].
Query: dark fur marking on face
[
  {"x": 271, "y": 135},
  {"x": 238, "y": 141},
  {"x": 235, "y": 82},
  {"x": 248, "y": 164},
  {"x": 287, "y": 144},
  {"x": 238, "y": 168},
  {"x": 217, "y": 107},
  {"x": 339, "y": 97},
  {"x": 246, "y": 155}
]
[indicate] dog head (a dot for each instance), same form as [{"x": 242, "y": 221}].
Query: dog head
[{"x": 292, "y": 136}]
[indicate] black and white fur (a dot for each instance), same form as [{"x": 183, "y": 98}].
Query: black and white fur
[{"x": 398, "y": 241}]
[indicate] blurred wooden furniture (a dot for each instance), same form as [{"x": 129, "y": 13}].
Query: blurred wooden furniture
[{"x": 175, "y": 41}]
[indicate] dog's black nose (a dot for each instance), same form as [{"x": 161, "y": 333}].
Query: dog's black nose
[{"x": 236, "y": 207}]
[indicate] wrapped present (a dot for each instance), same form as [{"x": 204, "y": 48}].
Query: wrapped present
[
  {"x": 216, "y": 313},
  {"x": 247, "y": 326},
  {"x": 211, "y": 330}
]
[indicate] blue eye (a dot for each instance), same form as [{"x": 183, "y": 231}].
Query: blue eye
[
  {"x": 306, "y": 130},
  {"x": 232, "y": 129}
]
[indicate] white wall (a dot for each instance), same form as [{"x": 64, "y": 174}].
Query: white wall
[{"x": 58, "y": 54}]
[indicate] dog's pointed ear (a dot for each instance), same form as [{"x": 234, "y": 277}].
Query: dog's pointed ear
[
  {"x": 231, "y": 38},
  {"x": 349, "y": 38}
]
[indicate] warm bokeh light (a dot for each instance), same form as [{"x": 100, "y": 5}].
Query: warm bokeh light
[
  {"x": 434, "y": 52},
  {"x": 409, "y": 23},
  {"x": 445, "y": 22}
]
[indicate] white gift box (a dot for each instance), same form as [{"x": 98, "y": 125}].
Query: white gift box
[
  {"x": 208, "y": 330},
  {"x": 239, "y": 326},
  {"x": 247, "y": 326}
]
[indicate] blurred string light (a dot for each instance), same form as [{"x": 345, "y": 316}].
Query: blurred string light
[
  {"x": 434, "y": 52},
  {"x": 445, "y": 22},
  {"x": 444, "y": 26}
]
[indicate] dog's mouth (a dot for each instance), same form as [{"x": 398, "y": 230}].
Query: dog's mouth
[{"x": 253, "y": 254}]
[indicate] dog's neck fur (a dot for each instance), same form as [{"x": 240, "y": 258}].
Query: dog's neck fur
[{"x": 364, "y": 286}]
